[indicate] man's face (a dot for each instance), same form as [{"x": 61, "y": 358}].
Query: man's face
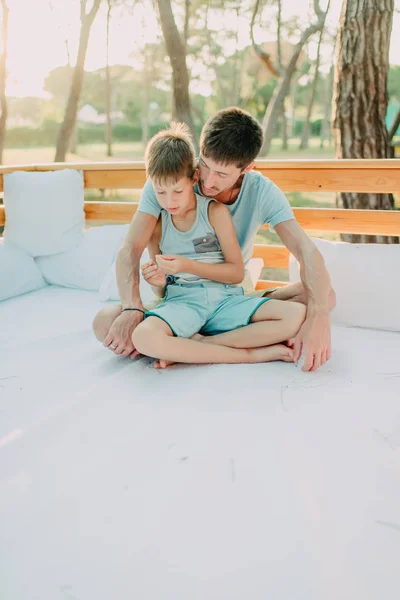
[{"x": 215, "y": 177}]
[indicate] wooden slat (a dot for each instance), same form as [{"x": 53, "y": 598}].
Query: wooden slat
[
  {"x": 265, "y": 284},
  {"x": 112, "y": 212},
  {"x": 373, "y": 222},
  {"x": 299, "y": 176},
  {"x": 273, "y": 256}
]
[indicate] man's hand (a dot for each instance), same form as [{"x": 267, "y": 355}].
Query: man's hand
[
  {"x": 172, "y": 264},
  {"x": 119, "y": 338},
  {"x": 153, "y": 274},
  {"x": 314, "y": 340}
]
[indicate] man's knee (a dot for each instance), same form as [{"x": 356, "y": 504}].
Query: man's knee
[{"x": 103, "y": 321}]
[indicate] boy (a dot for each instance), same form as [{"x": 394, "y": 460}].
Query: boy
[{"x": 204, "y": 266}]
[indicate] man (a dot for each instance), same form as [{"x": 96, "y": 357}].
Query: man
[{"x": 229, "y": 144}]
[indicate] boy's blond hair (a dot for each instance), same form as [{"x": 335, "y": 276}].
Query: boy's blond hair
[{"x": 170, "y": 154}]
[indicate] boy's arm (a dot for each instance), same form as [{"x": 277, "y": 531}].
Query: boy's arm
[
  {"x": 151, "y": 271},
  {"x": 231, "y": 271}
]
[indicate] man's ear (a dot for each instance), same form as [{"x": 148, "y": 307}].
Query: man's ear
[
  {"x": 249, "y": 167},
  {"x": 195, "y": 178}
]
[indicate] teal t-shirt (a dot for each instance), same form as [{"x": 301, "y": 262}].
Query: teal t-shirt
[{"x": 260, "y": 201}]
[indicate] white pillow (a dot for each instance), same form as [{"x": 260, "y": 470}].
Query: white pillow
[
  {"x": 366, "y": 280},
  {"x": 109, "y": 289},
  {"x": 18, "y": 272},
  {"x": 86, "y": 265},
  {"x": 44, "y": 211},
  {"x": 254, "y": 268}
]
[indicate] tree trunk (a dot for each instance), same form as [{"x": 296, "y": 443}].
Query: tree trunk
[
  {"x": 181, "y": 109},
  {"x": 146, "y": 96},
  {"x": 284, "y": 122},
  {"x": 274, "y": 107},
  {"x": 108, "y": 84},
  {"x": 71, "y": 110},
  {"x": 326, "y": 123},
  {"x": 3, "y": 74},
  {"x": 293, "y": 97},
  {"x": 305, "y": 134},
  {"x": 360, "y": 95}
]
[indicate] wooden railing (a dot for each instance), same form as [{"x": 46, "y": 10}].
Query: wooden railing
[{"x": 300, "y": 176}]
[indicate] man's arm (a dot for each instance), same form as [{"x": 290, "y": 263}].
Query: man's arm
[
  {"x": 314, "y": 336},
  {"x": 128, "y": 261},
  {"x": 119, "y": 337}
]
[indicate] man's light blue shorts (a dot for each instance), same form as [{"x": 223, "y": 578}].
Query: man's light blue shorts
[{"x": 210, "y": 308}]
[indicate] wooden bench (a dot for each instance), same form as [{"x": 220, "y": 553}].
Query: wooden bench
[{"x": 291, "y": 176}]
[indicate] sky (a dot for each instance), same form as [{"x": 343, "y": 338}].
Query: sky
[{"x": 38, "y": 29}]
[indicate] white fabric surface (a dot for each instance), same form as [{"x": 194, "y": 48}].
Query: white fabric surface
[
  {"x": 366, "y": 280},
  {"x": 18, "y": 272},
  {"x": 217, "y": 482},
  {"x": 86, "y": 265},
  {"x": 44, "y": 211}
]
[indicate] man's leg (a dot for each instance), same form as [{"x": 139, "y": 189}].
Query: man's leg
[
  {"x": 104, "y": 319},
  {"x": 295, "y": 293},
  {"x": 273, "y": 322},
  {"x": 154, "y": 337}
]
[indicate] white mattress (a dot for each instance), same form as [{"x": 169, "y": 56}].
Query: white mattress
[{"x": 212, "y": 482}]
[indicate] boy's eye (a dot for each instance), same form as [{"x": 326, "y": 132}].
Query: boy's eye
[
  {"x": 160, "y": 193},
  {"x": 178, "y": 191},
  {"x": 222, "y": 175}
]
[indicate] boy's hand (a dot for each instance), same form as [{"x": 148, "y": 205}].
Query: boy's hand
[
  {"x": 172, "y": 264},
  {"x": 153, "y": 274}
]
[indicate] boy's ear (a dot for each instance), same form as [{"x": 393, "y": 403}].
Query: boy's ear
[
  {"x": 249, "y": 167},
  {"x": 195, "y": 177}
]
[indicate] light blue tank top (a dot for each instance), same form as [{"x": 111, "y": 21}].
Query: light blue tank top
[{"x": 199, "y": 243}]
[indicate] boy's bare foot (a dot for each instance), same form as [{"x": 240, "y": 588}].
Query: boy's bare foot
[
  {"x": 163, "y": 364},
  {"x": 271, "y": 353}
]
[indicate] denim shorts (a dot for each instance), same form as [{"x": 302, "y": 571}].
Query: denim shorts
[{"x": 209, "y": 308}]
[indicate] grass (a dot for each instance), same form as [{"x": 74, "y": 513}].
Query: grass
[{"x": 135, "y": 151}]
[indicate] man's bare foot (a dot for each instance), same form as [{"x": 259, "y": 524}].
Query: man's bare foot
[{"x": 271, "y": 353}]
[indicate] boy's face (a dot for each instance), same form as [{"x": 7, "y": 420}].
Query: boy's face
[
  {"x": 175, "y": 197},
  {"x": 215, "y": 178}
]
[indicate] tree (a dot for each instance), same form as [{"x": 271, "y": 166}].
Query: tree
[
  {"x": 305, "y": 134},
  {"x": 108, "y": 83},
  {"x": 274, "y": 108},
  {"x": 176, "y": 48},
  {"x": 360, "y": 94},
  {"x": 71, "y": 110},
  {"x": 3, "y": 75}
]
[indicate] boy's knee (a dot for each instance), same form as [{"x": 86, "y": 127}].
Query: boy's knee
[{"x": 143, "y": 338}]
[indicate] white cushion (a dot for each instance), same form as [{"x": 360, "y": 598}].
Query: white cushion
[
  {"x": 86, "y": 265},
  {"x": 366, "y": 280},
  {"x": 254, "y": 268},
  {"x": 44, "y": 211},
  {"x": 109, "y": 289},
  {"x": 18, "y": 272}
]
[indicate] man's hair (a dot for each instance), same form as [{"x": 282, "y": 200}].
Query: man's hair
[
  {"x": 232, "y": 136},
  {"x": 170, "y": 154}
]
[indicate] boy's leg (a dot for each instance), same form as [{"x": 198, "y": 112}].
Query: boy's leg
[
  {"x": 154, "y": 337},
  {"x": 273, "y": 322}
]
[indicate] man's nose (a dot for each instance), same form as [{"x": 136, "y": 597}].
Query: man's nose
[{"x": 210, "y": 180}]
